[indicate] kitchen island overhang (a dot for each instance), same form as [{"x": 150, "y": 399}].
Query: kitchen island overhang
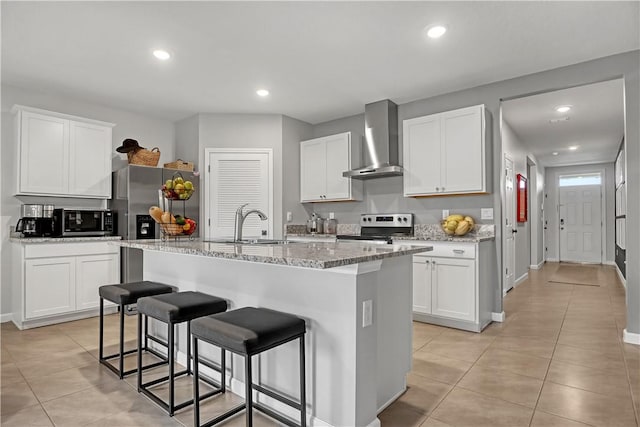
[{"x": 353, "y": 371}]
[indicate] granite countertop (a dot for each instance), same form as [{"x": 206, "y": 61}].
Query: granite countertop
[
  {"x": 319, "y": 255},
  {"x": 422, "y": 232},
  {"x": 29, "y": 240}
]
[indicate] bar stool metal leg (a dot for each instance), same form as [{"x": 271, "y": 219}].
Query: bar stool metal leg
[
  {"x": 196, "y": 385},
  {"x": 121, "y": 361},
  {"x": 101, "y": 350},
  {"x": 140, "y": 351},
  {"x": 248, "y": 389},
  {"x": 171, "y": 370},
  {"x": 303, "y": 387}
]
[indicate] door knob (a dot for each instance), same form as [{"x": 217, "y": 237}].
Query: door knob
[
  {"x": 561, "y": 228},
  {"x": 513, "y": 230}
]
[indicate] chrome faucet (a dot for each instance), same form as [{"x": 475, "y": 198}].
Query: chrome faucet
[{"x": 240, "y": 217}]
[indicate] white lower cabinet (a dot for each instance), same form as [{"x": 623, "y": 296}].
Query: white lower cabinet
[
  {"x": 49, "y": 286},
  {"x": 59, "y": 281},
  {"x": 447, "y": 286}
]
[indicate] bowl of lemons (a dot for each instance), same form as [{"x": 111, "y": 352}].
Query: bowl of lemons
[{"x": 458, "y": 225}]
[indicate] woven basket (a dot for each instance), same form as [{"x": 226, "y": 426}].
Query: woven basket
[
  {"x": 180, "y": 165},
  {"x": 144, "y": 157}
]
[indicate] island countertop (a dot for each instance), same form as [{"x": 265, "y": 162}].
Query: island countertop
[{"x": 320, "y": 255}]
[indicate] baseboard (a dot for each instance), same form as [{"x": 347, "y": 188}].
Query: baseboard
[
  {"x": 621, "y": 277},
  {"x": 498, "y": 317},
  {"x": 609, "y": 262},
  {"x": 537, "y": 266},
  {"x": 553, "y": 260},
  {"x": 6, "y": 317},
  {"x": 384, "y": 406},
  {"x": 630, "y": 337},
  {"x": 521, "y": 279}
]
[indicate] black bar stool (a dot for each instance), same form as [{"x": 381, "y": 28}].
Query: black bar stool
[
  {"x": 173, "y": 309},
  {"x": 124, "y": 294},
  {"x": 249, "y": 331}
]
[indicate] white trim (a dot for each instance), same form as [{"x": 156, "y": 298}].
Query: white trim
[
  {"x": 389, "y": 402},
  {"x": 505, "y": 156},
  {"x": 537, "y": 266},
  {"x": 621, "y": 277},
  {"x": 498, "y": 317},
  {"x": 521, "y": 279},
  {"x": 18, "y": 107},
  {"x": 630, "y": 337},
  {"x": 6, "y": 317},
  {"x": 609, "y": 262},
  {"x": 553, "y": 260},
  {"x": 207, "y": 153}
]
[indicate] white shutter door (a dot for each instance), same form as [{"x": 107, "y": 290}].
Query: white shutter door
[{"x": 237, "y": 178}]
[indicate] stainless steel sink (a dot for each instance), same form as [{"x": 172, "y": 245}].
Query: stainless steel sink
[{"x": 250, "y": 241}]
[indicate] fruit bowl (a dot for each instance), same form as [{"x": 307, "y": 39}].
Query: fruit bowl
[
  {"x": 177, "y": 188},
  {"x": 457, "y": 225},
  {"x": 177, "y": 230}
]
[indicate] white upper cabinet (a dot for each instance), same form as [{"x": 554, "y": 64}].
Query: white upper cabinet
[
  {"x": 62, "y": 155},
  {"x": 444, "y": 153},
  {"x": 322, "y": 162}
]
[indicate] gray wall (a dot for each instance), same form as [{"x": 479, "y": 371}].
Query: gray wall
[
  {"x": 150, "y": 132},
  {"x": 247, "y": 131},
  {"x": 517, "y": 151},
  {"x": 385, "y": 193},
  {"x": 293, "y": 131},
  {"x": 187, "y": 139},
  {"x": 551, "y": 207}
]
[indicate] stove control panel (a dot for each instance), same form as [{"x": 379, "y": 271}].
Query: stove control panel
[{"x": 386, "y": 220}]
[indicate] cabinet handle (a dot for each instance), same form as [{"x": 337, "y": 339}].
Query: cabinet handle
[
  {"x": 458, "y": 251},
  {"x": 437, "y": 188},
  {"x": 442, "y": 189},
  {"x": 427, "y": 261}
]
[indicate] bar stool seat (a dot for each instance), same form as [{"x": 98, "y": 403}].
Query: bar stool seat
[
  {"x": 125, "y": 294},
  {"x": 173, "y": 309},
  {"x": 249, "y": 331}
]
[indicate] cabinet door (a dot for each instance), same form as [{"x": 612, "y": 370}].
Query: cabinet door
[
  {"x": 463, "y": 155},
  {"x": 313, "y": 170},
  {"x": 453, "y": 288},
  {"x": 421, "y": 155},
  {"x": 49, "y": 286},
  {"x": 422, "y": 285},
  {"x": 90, "y": 160},
  {"x": 44, "y": 154},
  {"x": 92, "y": 272},
  {"x": 338, "y": 160}
]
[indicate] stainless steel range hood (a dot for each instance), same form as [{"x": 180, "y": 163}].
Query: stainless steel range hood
[{"x": 381, "y": 142}]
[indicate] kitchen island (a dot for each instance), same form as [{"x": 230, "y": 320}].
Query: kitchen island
[{"x": 356, "y": 299}]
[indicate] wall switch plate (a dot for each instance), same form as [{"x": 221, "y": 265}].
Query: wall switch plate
[
  {"x": 445, "y": 213},
  {"x": 332, "y": 215},
  {"x": 486, "y": 213},
  {"x": 367, "y": 313},
  {"x": 289, "y": 217}
]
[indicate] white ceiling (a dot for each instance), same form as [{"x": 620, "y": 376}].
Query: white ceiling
[
  {"x": 320, "y": 60},
  {"x": 595, "y": 125}
]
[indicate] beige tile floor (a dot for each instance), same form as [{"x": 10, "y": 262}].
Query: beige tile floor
[{"x": 557, "y": 360}]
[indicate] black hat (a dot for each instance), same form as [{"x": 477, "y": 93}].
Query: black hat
[{"x": 128, "y": 145}]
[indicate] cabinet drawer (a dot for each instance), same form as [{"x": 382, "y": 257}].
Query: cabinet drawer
[
  {"x": 49, "y": 250},
  {"x": 467, "y": 251}
]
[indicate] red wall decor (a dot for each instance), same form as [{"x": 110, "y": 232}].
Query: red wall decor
[{"x": 521, "y": 187}]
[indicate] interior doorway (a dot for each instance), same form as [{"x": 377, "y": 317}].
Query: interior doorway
[
  {"x": 509, "y": 229},
  {"x": 580, "y": 218}
]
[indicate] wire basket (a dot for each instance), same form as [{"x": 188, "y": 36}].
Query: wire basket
[
  {"x": 179, "y": 189},
  {"x": 174, "y": 230}
]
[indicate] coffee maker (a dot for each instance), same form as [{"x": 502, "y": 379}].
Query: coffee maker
[{"x": 36, "y": 220}]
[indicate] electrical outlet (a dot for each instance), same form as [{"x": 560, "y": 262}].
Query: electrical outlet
[
  {"x": 332, "y": 215},
  {"x": 367, "y": 313},
  {"x": 486, "y": 213},
  {"x": 445, "y": 213},
  {"x": 289, "y": 217}
]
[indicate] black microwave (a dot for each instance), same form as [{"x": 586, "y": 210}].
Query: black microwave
[{"x": 78, "y": 223}]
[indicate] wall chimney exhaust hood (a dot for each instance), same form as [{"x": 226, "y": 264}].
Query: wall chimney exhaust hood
[{"x": 381, "y": 142}]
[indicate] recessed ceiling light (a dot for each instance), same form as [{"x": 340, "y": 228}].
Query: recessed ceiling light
[
  {"x": 555, "y": 153},
  {"x": 162, "y": 55},
  {"x": 262, "y": 92},
  {"x": 436, "y": 31},
  {"x": 563, "y": 108},
  {"x": 573, "y": 148}
]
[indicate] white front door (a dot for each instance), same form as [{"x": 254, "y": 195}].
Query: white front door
[
  {"x": 509, "y": 250},
  {"x": 581, "y": 224},
  {"x": 235, "y": 177}
]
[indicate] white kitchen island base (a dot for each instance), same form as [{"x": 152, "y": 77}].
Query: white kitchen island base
[{"x": 353, "y": 371}]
